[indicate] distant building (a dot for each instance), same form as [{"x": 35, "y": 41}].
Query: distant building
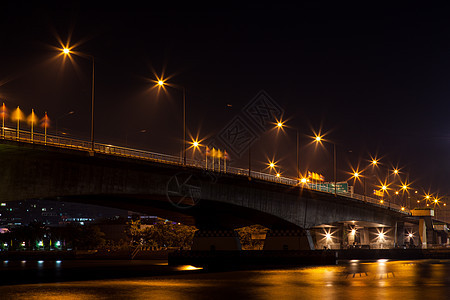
[{"x": 54, "y": 213}]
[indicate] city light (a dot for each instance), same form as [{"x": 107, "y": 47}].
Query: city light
[
  {"x": 160, "y": 82},
  {"x": 374, "y": 162},
  {"x": 272, "y": 164},
  {"x": 278, "y": 174},
  {"x": 66, "y": 50},
  {"x": 381, "y": 236}
]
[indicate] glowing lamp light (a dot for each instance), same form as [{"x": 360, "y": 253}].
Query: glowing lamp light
[
  {"x": 303, "y": 180},
  {"x": 427, "y": 197},
  {"x": 66, "y": 50},
  {"x": 318, "y": 138},
  {"x": 278, "y": 174},
  {"x": 374, "y": 162},
  {"x": 272, "y": 165},
  {"x": 396, "y": 192},
  {"x": 328, "y": 236},
  {"x": 395, "y": 171},
  {"x": 436, "y": 200},
  {"x": 356, "y": 174},
  {"x": 404, "y": 187},
  {"x": 403, "y": 208},
  {"x": 279, "y": 124},
  {"x": 381, "y": 235},
  {"x": 381, "y": 201},
  {"x": 410, "y": 235},
  {"x": 384, "y": 187},
  {"x": 353, "y": 232},
  {"x": 160, "y": 82},
  {"x": 195, "y": 144}
]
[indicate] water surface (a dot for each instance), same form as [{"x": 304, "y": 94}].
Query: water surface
[{"x": 424, "y": 279}]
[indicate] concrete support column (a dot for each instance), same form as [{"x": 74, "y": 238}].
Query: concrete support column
[
  {"x": 422, "y": 233},
  {"x": 399, "y": 236},
  {"x": 221, "y": 240},
  {"x": 288, "y": 240},
  {"x": 342, "y": 237},
  {"x": 364, "y": 236},
  {"x": 431, "y": 234}
]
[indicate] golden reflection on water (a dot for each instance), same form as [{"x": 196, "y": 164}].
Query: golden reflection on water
[{"x": 349, "y": 280}]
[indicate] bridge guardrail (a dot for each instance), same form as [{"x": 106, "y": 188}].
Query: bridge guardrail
[{"x": 78, "y": 144}]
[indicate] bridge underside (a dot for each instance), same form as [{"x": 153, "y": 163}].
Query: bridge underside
[{"x": 205, "y": 214}]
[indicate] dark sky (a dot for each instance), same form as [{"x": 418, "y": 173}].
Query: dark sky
[{"x": 375, "y": 77}]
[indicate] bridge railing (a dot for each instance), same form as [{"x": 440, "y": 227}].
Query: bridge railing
[{"x": 78, "y": 144}]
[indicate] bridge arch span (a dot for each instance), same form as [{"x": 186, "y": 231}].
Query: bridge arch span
[{"x": 30, "y": 171}]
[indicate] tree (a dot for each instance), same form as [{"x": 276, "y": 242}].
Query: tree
[{"x": 249, "y": 237}]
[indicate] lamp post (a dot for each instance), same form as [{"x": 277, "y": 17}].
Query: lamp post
[
  {"x": 161, "y": 83},
  {"x": 68, "y": 51},
  {"x": 319, "y": 139},
  {"x": 396, "y": 173},
  {"x": 373, "y": 163},
  {"x": 280, "y": 125}
]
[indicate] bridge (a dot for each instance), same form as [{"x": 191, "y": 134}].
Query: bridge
[{"x": 215, "y": 200}]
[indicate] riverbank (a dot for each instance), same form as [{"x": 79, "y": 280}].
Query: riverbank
[{"x": 84, "y": 255}]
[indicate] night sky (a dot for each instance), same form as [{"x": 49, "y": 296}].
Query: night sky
[{"x": 374, "y": 78}]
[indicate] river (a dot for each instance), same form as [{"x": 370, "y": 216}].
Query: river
[{"x": 382, "y": 279}]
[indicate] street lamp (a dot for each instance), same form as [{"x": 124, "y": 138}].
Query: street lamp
[
  {"x": 195, "y": 145},
  {"x": 319, "y": 139},
  {"x": 373, "y": 164},
  {"x": 404, "y": 189},
  {"x": 280, "y": 125},
  {"x": 68, "y": 51},
  {"x": 161, "y": 83},
  {"x": 357, "y": 174}
]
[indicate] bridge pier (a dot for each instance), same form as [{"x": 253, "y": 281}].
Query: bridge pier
[
  {"x": 365, "y": 237},
  {"x": 427, "y": 235},
  {"x": 288, "y": 240},
  {"x": 399, "y": 235},
  {"x": 211, "y": 240}
]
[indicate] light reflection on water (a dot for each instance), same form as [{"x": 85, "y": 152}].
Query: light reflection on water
[{"x": 348, "y": 280}]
